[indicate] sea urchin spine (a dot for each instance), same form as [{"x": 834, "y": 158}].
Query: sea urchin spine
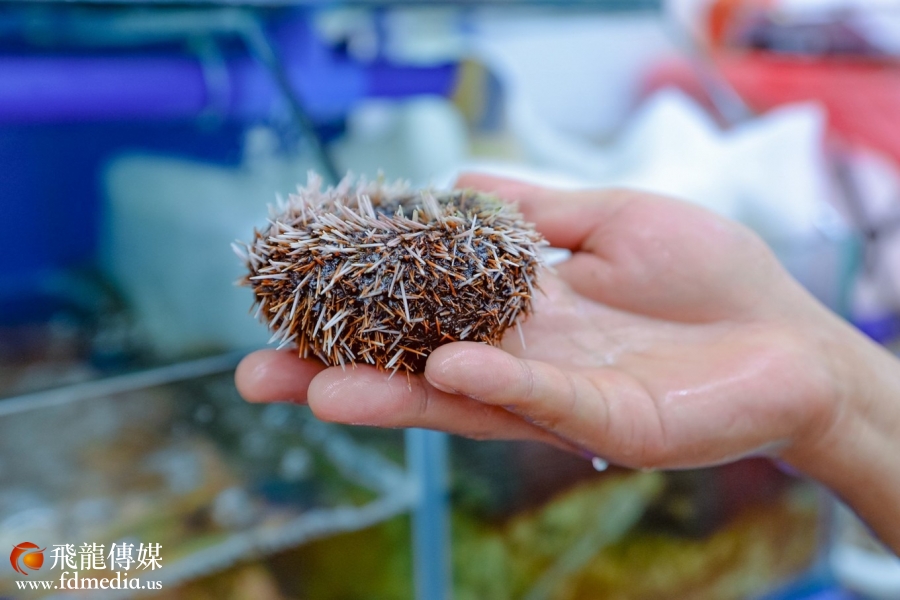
[{"x": 381, "y": 274}]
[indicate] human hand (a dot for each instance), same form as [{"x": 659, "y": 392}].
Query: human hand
[
  {"x": 669, "y": 339},
  {"x": 672, "y": 338}
]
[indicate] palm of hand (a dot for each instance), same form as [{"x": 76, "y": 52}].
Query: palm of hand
[
  {"x": 684, "y": 394},
  {"x": 702, "y": 374}
]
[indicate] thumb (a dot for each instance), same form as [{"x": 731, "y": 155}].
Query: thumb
[
  {"x": 563, "y": 402},
  {"x": 608, "y": 413}
]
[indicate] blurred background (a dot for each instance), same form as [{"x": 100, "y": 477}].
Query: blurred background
[{"x": 139, "y": 139}]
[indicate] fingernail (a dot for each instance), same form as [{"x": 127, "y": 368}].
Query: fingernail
[{"x": 444, "y": 388}]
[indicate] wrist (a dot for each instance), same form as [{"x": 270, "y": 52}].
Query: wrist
[{"x": 856, "y": 451}]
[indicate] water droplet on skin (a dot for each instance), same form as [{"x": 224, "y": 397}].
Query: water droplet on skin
[{"x": 599, "y": 464}]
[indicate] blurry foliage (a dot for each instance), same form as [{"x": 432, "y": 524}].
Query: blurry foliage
[{"x": 506, "y": 560}]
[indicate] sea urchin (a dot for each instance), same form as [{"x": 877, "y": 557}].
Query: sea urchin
[{"x": 382, "y": 274}]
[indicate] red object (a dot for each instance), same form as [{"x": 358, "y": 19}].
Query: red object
[
  {"x": 723, "y": 15},
  {"x": 861, "y": 96}
]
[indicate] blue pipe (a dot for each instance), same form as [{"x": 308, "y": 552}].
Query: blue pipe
[
  {"x": 427, "y": 458},
  {"x": 145, "y": 85}
]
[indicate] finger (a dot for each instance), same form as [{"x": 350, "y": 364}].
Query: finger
[
  {"x": 565, "y": 218},
  {"x": 676, "y": 294},
  {"x": 275, "y": 376},
  {"x": 678, "y": 265},
  {"x": 612, "y": 420},
  {"x": 648, "y": 254},
  {"x": 365, "y": 396}
]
